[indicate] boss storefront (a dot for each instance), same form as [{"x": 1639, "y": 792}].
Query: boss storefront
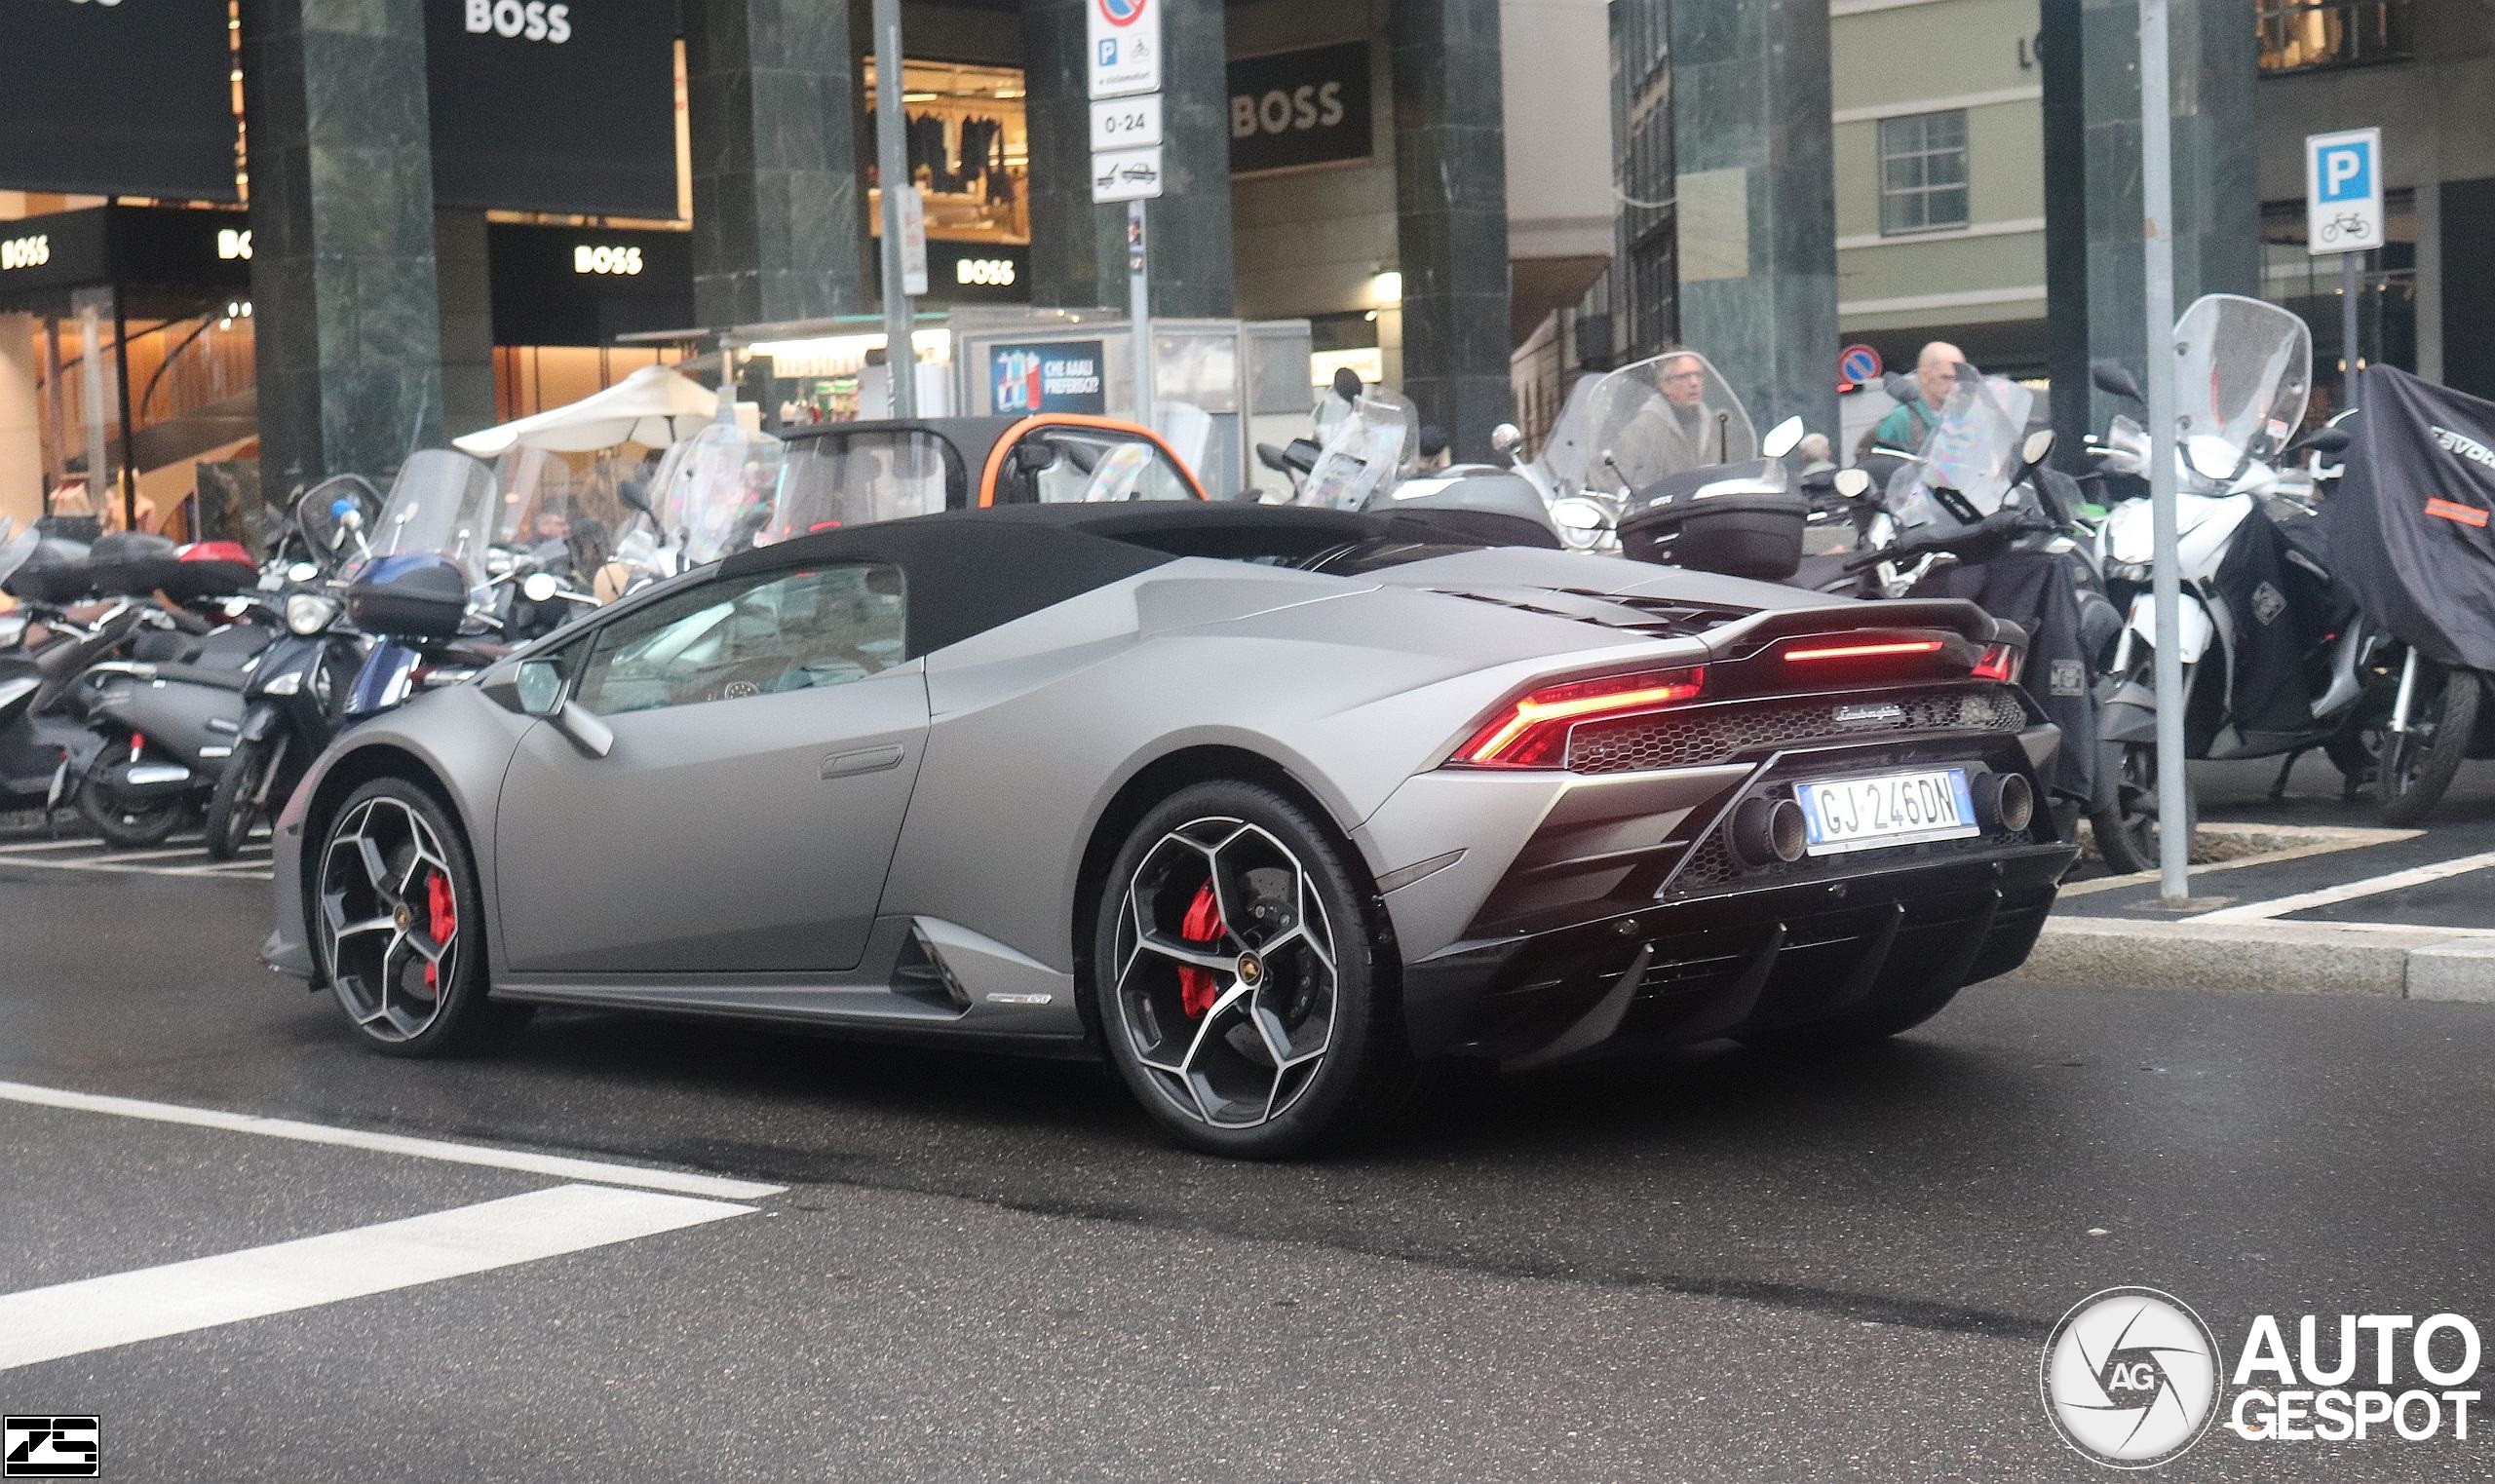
[{"x": 563, "y": 297}]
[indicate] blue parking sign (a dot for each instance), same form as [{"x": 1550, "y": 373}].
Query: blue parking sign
[{"x": 2345, "y": 172}]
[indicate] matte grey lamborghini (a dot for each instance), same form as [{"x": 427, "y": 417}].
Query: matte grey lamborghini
[{"x": 1272, "y": 807}]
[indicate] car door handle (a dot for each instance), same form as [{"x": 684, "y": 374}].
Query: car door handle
[{"x": 841, "y": 765}]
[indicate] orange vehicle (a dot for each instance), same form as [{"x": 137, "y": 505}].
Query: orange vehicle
[{"x": 849, "y": 474}]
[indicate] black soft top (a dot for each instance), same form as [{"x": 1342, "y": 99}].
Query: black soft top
[{"x": 970, "y": 571}]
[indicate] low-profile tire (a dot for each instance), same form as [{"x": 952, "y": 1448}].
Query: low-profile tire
[
  {"x": 2414, "y": 772},
  {"x": 1243, "y": 978},
  {"x": 397, "y": 922},
  {"x": 236, "y": 804},
  {"x": 130, "y": 826}
]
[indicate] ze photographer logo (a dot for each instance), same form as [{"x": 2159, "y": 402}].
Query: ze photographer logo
[
  {"x": 48, "y": 1448},
  {"x": 2132, "y": 1377}
]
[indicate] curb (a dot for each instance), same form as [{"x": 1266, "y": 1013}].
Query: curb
[{"x": 2264, "y": 958}]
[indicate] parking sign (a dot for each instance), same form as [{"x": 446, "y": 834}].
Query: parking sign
[{"x": 2343, "y": 190}]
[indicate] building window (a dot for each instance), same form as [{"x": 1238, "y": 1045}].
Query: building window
[
  {"x": 1923, "y": 172},
  {"x": 2300, "y": 35}
]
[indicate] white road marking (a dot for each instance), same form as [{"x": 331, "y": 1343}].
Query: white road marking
[
  {"x": 91, "y": 866},
  {"x": 43, "y": 844},
  {"x": 2348, "y": 891},
  {"x": 560, "y": 1166},
  {"x": 123, "y": 857},
  {"x": 225, "y": 868},
  {"x": 96, "y": 1313},
  {"x": 2329, "y": 840}
]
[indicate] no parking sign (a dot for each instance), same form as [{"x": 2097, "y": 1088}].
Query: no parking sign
[{"x": 1858, "y": 366}]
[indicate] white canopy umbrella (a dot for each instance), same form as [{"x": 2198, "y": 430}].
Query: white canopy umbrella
[{"x": 654, "y": 406}]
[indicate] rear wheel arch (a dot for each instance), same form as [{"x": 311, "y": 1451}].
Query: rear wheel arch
[{"x": 1166, "y": 775}]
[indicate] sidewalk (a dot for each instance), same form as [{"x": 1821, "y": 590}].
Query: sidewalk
[{"x": 2309, "y": 896}]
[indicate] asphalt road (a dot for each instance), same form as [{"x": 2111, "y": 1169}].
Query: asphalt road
[{"x": 1716, "y": 1267}]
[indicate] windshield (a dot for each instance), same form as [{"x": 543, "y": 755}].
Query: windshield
[
  {"x": 853, "y": 478},
  {"x": 2242, "y": 371},
  {"x": 1361, "y": 455},
  {"x": 16, "y": 546},
  {"x": 319, "y": 518},
  {"x": 1647, "y": 421},
  {"x": 444, "y": 502},
  {"x": 716, "y": 491},
  {"x": 1972, "y": 450}
]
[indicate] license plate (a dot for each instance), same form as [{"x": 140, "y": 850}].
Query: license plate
[{"x": 1892, "y": 809}]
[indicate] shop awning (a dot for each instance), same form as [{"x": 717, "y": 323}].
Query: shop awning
[{"x": 654, "y": 406}]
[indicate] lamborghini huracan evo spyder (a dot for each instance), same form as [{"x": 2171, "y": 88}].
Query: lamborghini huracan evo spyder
[{"x": 1271, "y": 806}]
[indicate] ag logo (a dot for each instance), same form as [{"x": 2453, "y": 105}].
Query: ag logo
[
  {"x": 2131, "y": 1377},
  {"x": 2268, "y": 602}
]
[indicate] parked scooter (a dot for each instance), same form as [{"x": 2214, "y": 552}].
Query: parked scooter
[
  {"x": 1630, "y": 428},
  {"x": 291, "y": 690},
  {"x": 1364, "y": 466},
  {"x": 421, "y": 589},
  {"x": 2276, "y": 660},
  {"x": 52, "y": 639}
]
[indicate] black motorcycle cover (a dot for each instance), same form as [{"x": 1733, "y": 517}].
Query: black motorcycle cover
[
  {"x": 2408, "y": 524},
  {"x": 2280, "y": 611},
  {"x": 2039, "y": 593}
]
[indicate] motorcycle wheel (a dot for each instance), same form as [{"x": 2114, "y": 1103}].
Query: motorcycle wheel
[
  {"x": 2418, "y": 765},
  {"x": 2127, "y": 830},
  {"x": 129, "y": 826},
  {"x": 241, "y": 798}
]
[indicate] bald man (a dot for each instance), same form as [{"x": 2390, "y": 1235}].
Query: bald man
[{"x": 1936, "y": 376}]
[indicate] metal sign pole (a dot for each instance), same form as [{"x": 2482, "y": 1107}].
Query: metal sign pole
[
  {"x": 1140, "y": 311},
  {"x": 2157, "y": 204},
  {"x": 2349, "y": 283},
  {"x": 891, "y": 171}
]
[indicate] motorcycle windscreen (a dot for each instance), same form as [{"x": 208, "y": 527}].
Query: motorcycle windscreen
[
  {"x": 442, "y": 503},
  {"x": 716, "y": 491},
  {"x": 1362, "y": 454},
  {"x": 2412, "y": 522},
  {"x": 16, "y": 546},
  {"x": 320, "y": 517},
  {"x": 1651, "y": 420},
  {"x": 1966, "y": 464},
  {"x": 2242, "y": 369}
]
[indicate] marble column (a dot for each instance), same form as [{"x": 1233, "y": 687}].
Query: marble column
[
  {"x": 1451, "y": 216},
  {"x": 1756, "y": 190},
  {"x": 349, "y": 341},
  {"x": 464, "y": 280},
  {"x": 1078, "y": 251},
  {"x": 2217, "y": 201},
  {"x": 777, "y": 200}
]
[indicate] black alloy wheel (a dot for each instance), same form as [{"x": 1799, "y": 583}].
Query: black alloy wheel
[
  {"x": 2127, "y": 830},
  {"x": 2418, "y": 764}
]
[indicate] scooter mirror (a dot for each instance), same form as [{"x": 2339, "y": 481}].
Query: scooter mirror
[
  {"x": 2112, "y": 377},
  {"x": 538, "y": 587},
  {"x": 1272, "y": 458},
  {"x": 1782, "y": 439},
  {"x": 302, "y": 572},
  {"x": 2039, "y": 445},
  {"x": 1900, "y": 387},
  {"x": 1852, "y": 484},
  {"x": 1507, "y": 438},
  {"x": 2328, "y": 442},
  {"x": 1347, "y": 383}
]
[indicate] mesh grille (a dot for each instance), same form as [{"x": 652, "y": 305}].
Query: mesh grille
[{"x": 1716, "y": 734}]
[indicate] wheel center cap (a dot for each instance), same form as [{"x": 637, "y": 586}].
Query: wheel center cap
[
  {"x": 1251, "y": 970},
  {"x": 404, "y": 918}
]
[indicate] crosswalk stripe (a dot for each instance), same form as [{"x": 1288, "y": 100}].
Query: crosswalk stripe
[
  {"x": 528, "y": 1161},
  {"x": 96, "y": 1314},
  {"x": 25, "y": 847},
  {"x": 96, "y": 866}
]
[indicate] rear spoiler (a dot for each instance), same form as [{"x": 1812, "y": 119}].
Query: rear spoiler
[{"x": 1743, "y": 637}]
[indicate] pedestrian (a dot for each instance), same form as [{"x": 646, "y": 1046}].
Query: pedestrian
[{"x": 1936, "y": 375}]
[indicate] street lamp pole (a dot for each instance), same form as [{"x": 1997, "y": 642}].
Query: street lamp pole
[
  {"x": 891, "y": 171},
  {"x": 2157, "y": 204}
]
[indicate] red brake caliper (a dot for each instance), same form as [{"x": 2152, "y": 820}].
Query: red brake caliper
[
  {"x": 441, "y": 917},
  {"x": 1200, "y": 928}
]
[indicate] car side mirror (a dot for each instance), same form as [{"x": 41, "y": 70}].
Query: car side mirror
[
  {"x": 1852, "y": 484},
  {"x": 537, "y": 688},
  {"x": 1034, "y": 455},
  {"x": 1782, "y": 439},
  {"x": 2112, "y": 377}
]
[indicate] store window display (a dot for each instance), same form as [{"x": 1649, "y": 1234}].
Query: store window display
[{"x": 970, "y": 151}]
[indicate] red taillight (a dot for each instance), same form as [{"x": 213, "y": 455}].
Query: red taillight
[
  {"x": 1532, "y": 732},
  {"x": 1999, "y": 662},
  {"x": 1866, "y": 651}
]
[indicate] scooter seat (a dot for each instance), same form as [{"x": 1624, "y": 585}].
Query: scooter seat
[{"x": 201, "y": 674}]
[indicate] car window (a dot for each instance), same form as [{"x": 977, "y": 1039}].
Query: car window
[
  {"x": 840, "y": 480},
  {"x": 1099, "y": 465},
  {"x": 753, "y": 636}
]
